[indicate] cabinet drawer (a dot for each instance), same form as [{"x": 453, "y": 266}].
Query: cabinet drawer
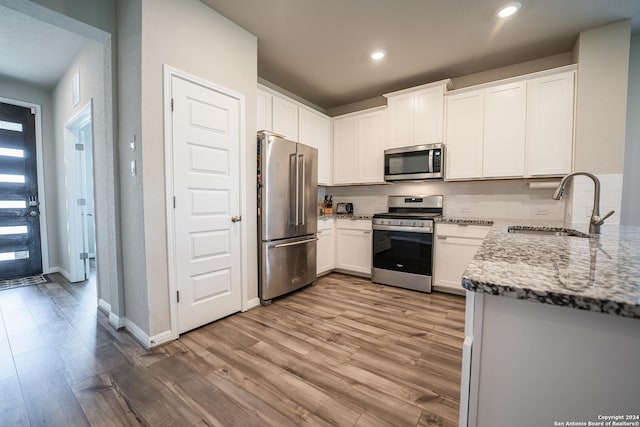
[
  {"x": 458, "y": 230},
  {"x": 353, "y": 224}
]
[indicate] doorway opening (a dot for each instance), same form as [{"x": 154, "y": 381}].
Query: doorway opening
[{"x": 80, "y": 195}]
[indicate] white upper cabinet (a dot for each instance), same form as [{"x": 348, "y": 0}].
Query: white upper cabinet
[
  {"x": 285, "y": 118},
  {"x": 550, "y": 118},
  {"x": 504, "y": 131},
  {"x": 264, "y": 110},
  {"x": 518, "y": 128},
  {"x": 400, "y": 120},
  {"x": 298, "y": 123},
  {"x": 315, "y": 130},
  {"x": 345, "y": 136},
  {"x": 464, "y": 142},
  {"x": 416, "y": 115},
  {"x": 372, "y": 142},
  {"x": 359, "y": 141}
]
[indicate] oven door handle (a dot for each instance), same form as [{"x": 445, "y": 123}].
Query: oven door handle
[{"x": 423, "y": 230}]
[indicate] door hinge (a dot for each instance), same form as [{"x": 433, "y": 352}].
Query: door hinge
[
  {"x": 84, "y": 255},
  {"x": 174, "y": 202},
  {"x": 178, "y": 296},
  {"x": 79, "y": 147},
  {"x": 172, "y": 104},
  {"x": 82, "y": 202}
]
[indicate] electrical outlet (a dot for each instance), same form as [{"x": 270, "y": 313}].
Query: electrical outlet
[
  {"x": 541, "y": 211},
  {"x": 465, "y": 209}
]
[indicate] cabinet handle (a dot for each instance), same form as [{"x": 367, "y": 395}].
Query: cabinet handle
[
  {"x": 367, "y": 232},
  {"x": 442, "y": 237}
]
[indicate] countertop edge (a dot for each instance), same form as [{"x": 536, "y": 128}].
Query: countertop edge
[{"x": 553, "y": 298}]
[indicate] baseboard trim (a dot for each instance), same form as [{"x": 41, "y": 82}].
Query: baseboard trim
[
  {"x": 104, "y": 306},
  {"x": 137, "y": 333},
  {"x": 114, "y": 319},
  {"x": 144, "y": 339},
  {"x": 162, "y": 338},
  {"x": 62, "y": 271},
  {"x": 253, "y": 303}
]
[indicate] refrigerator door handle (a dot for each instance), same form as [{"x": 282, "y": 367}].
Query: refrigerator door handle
[
  {"x": 299, "y": 242},
  {"x": 293, "y": 190},
  {"x": 302, "y": 187}
]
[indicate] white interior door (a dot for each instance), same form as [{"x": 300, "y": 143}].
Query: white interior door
[{"x": 206, "y": 143}]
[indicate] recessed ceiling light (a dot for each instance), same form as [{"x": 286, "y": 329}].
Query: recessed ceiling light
[
  {"x": 508, "y": 9},
  {"x": 377, "y": 55}
]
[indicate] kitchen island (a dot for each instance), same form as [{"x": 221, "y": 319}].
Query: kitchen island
[{"x": 552, "y": 329}]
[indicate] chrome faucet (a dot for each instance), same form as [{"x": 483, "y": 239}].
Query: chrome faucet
[{"x": 596, "y": 220}]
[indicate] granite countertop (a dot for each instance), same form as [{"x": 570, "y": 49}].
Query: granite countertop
[
  {"x": 463, "y": 221},
  {"x": 344, "y": 216},
  {"x": 600, "y": 273}
]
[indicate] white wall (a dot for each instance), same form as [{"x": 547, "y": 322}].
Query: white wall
[
  {"x": 631, "y": 188},
  {"x": 20, "y": 91},
  {"x": 134, "y": 289},
  {"x": 89, "y": 64},
  {"x": 603, "y": 67},
  {"x": 194, "y": 38}
]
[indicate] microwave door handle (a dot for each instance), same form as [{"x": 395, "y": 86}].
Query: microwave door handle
[
  {"x": 302, "y": 188},
  {"x": 293, "y": 189},
  {"x": 430, "y": 165}
]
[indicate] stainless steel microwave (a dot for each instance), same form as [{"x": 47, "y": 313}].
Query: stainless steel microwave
[{"x": 413, "y": 163}]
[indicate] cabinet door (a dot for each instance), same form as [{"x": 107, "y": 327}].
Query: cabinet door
[
  {"x": 371, "y": 144},
  {"x": 285, "y": 118},
  {"x": 353, "y": 249},
  {"x": 550, "y": 112},
  {"x": 264, "y": 110},
  {"x": 504, "y": 131},
  {"x": 463, "y": 139},
  {"x": 326, "y": 251},
  {"x": 428, "y": 116},
  {"x": 345, "y": 134},
  {"x": 400, "y": 120},
  {"x": 315, "y": 130},
  {"x": 453, "y": 255}
]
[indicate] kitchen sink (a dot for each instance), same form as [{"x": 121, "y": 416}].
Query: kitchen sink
[{"x": 547, "y": 231}]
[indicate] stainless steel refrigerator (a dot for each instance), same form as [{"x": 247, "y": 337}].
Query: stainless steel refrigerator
[{"x": 287, "y": 215}]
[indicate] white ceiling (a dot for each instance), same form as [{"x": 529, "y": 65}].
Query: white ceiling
[
  {"x": 34, "y": 51},
  {"x": 318, "y": 49}
]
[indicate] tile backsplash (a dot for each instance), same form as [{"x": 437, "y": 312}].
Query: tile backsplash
[
  {"x": 505, "y": 199},
  {"x": 581, "y": 205}
]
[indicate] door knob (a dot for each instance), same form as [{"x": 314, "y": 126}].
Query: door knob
[
  {"x": 33, "y": 213},
  {"x": 236, "y": 218}
]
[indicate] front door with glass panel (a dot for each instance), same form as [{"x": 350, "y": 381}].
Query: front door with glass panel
[{"x": 19, "y": 216}]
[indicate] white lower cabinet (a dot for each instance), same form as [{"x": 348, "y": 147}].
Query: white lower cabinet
[
  {"x": 353, "y": 246},
  {"x": 326, "y": 249},
  {"x": 456, "y": 246}
]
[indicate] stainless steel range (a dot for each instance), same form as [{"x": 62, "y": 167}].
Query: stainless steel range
[{"x": 403, "y": 242}]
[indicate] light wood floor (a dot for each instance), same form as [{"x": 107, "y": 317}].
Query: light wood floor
[{"x": 344, "y": 352}]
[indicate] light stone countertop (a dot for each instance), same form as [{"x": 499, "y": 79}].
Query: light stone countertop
[
  {"x": 463, "y": 221},
  {"x": 599, "y": 273},
  {"x": 344, "y": 216}
]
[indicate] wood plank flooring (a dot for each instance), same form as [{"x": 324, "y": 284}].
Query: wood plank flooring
[{"x": 345, "y": 352}]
